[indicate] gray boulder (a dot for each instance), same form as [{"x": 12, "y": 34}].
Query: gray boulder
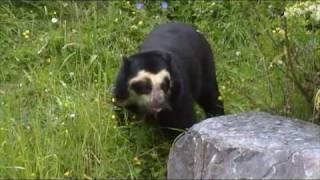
[{"x": 247, "y": 145}]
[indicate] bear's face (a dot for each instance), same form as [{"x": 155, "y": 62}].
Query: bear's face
[
  {"x": 147, "y": 82},
  {"x": 150, "y": 91}
]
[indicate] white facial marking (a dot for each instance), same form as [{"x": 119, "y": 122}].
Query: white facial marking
[{"x": 156, "y": 79}]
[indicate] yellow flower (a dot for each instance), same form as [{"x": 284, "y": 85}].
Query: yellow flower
[
  {"x": 136, "y": 161},
  {"x": 67, "y": 173},
  {"x": 26, "y": 34}
]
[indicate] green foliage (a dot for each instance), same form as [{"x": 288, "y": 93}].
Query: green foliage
[{"x": 59, "y": 59}]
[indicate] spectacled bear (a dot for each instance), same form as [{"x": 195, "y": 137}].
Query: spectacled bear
[{"x": 173, "y": 68}]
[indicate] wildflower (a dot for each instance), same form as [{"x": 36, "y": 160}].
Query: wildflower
[
  {"x": 26, "y": 34},
  {"x": 139, "y": 5},
  {"x": 54, "y": 20},
  {"x": 136, "y": 161},
  {"x": 113, "y": 116},
  {"x": 271, "y": 65},
  {"x": 164, "y": 5},
  {"x": 72, "y": 115},
  {"x": 140, "y": 23},
  {"x": 280, "y": 62},
  {"x": 113, "y": 100},
  {"x": 134, "y": 27},
  {"x": 67, "y": 173},
  {"x": 238, "y": 53}
]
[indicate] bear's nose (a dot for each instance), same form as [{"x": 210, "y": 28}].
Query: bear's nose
[{"x": 157, "y": 101}]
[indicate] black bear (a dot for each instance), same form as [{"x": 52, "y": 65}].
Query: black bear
[{"x": 173, "y": 68}]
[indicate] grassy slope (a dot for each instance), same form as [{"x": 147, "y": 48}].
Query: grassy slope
[{"x": 56, "y": 119}]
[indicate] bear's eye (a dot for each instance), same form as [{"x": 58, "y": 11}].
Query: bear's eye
[
  {"x": 142, "y": 87},
  {"x": 165, "y": 84}
]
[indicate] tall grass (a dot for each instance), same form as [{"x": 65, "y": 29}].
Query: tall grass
[{"x": 59, "y": 59}]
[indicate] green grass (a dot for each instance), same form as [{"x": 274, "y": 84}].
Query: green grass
[{"x": 56, "y": 115}]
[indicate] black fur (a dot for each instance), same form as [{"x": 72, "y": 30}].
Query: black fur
[{"x": 187, "y": 56}]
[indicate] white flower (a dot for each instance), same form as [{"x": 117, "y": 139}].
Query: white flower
[
  {"x": 280, "y": 62},
  {"x": 54, "y": 20},
  {"x": 72, "y": 115}
]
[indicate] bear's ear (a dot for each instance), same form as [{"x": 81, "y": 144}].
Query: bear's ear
[
  {"x": 165, "y": 56},
  {"x": 125, "y": 60},
  {"x": 120, "y": 90}
]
